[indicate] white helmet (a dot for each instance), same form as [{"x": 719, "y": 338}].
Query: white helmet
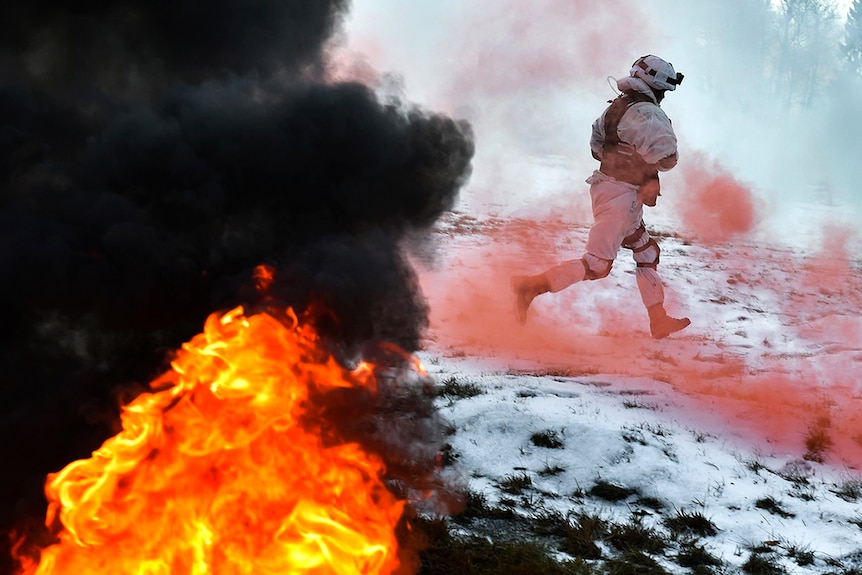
[{"x": 659, "y": 74}]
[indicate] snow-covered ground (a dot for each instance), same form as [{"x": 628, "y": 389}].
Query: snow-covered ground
[{"x": 751, "y": 418}]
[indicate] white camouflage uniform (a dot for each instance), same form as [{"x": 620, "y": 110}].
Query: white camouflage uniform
[{"x": 617, "y": 210}]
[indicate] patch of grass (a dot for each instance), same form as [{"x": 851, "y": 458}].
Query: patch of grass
[
  {"x": 817, "y": 443},
  {"x": 803, "y": 557},
  {"x": 691, "y": 523},
  {"x": 551, "y": 470},
  {"x": 634, "y": 436},
  {"x": 635, "y": 536},
  {"x": 697, "y": 558},
  {"x": 659, "y": 356},
  {"x": 566, "y": 373},
  {"x": 548, "y": 438},
  {"x": 636, "y": 404},
  {"x": 656, "y": 429},
  {"x": 755, "y": 466},
  {"x": 771, "y": 505},
  {"x": 850, "y": 491},
  {"x": 701, "y": 436},
  {"x": 759, "y": 565},
  {"x": 666, "y": 234},
  {"x": 448, "y": 555},
  {"x": 765, "y": 547},
  {"x": 653, "y": 503},
  {"x": 805, "y": 494},
  {"x": 633, "y": 563},
  {"x": 610, "y": 492},
  {"x": 462, "y": 224},
  {"x": 448, "y": 455},
  {"x": 476, "y": 507},
  {"x": 452, "y": 388},
  {"x": 516, "y": 484},
  {"x": 577, "y": 533},
  {"x": 796, "y": 473},
  {"x": 580, "y": 533},
  {"x": 532, "y": 500}
]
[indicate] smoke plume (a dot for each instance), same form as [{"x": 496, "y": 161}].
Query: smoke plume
[{"x": 151, "y": 155}]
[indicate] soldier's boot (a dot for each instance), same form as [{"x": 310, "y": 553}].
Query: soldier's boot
[
  {"x": 662, "y": 325},
  {"x": 526, "y": 288}
]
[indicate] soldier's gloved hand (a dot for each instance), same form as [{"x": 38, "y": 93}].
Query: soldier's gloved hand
[{"x": 649, "y": 191}]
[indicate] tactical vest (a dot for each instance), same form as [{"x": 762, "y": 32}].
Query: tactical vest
[{"x": 620, "y": 160}]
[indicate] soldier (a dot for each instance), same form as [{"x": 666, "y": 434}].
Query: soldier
[{"x": 634, "y": 141}]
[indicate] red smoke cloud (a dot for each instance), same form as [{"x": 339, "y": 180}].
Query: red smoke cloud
[
  {"x": 831, "y": 269},
  {"x": 519, "y": 45},
  {"x": 716, "y": 207},
  {"x": 509, "y": 58},
  {"x": 773, "y": 387}
]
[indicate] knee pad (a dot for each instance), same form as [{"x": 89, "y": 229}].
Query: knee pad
[
  {"x": 645, "y": 250},
  {"x": 600, "y": 268},
  {"x": 637, "y": 237},
  {"x": 648, "y": 255}
]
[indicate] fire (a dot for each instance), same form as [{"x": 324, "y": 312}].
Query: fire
[
  {"x": 215, "y": 470},
  {"x": 263, "y": 276}
]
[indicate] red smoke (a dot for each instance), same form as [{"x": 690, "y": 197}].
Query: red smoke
[
  {"x": 488, "y": 55},
  {"x": 520, "y": 45},
  {"x": 774, "y": 391},
  {"x": 716, "y": 207},
  {"x": 831, "y": 269}
]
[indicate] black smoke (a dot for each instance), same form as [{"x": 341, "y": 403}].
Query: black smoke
[{"x": 151, "y": 155}]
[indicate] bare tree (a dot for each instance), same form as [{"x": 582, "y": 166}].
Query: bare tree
[
  {"x": 731, "y": 42},
  {"x": 805, "y": 59}
]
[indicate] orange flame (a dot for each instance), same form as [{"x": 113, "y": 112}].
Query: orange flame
[
  {"x": 213, "y": 472},
  {"x": 263, "y": 276}
]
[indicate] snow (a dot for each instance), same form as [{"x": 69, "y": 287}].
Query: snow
[{"x": 720, "y": 419}]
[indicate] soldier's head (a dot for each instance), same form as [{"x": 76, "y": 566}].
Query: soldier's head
[{"x": 658, "y": 74}]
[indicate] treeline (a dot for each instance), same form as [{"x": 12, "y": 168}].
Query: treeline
[{"x": 787, "y": 51}]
